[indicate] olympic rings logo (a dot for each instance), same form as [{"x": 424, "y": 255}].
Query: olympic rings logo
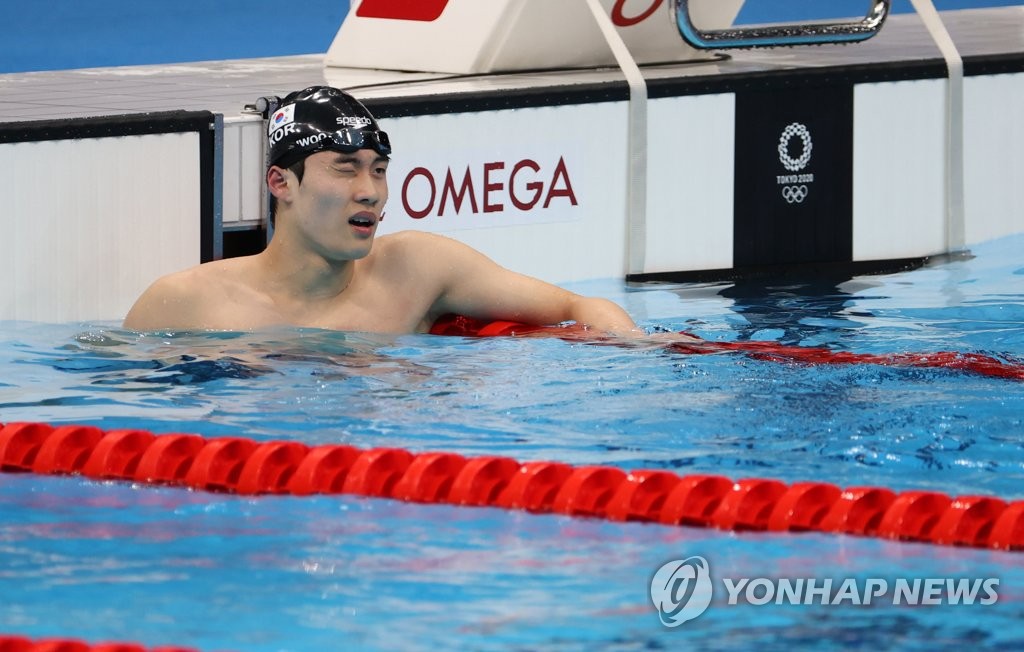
[
  {"x": 795, "y": 130},
  {"x": 795, "y": 194}
]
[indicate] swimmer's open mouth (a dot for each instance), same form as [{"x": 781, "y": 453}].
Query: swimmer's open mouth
[{"x": 363, "y": 219}]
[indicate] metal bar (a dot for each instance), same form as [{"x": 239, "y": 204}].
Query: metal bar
[
  {"x": 767, "y": 36},
  {"x": 218, "y": 185},
  {"x": 636, "y": 183},
  {"x": 956, "y": 231}
]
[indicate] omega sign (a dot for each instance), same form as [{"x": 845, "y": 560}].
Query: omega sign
[
  {"x": 795, "y": 138},
  {"x": 491, "y": 187}
]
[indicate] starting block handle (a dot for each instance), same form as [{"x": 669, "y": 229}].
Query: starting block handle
[{"x": 768, "y": 36}]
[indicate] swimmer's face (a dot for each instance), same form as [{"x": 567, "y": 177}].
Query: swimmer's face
[{"x": 340, "y": 199}]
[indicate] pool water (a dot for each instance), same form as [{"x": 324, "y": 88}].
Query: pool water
[{"x": 113, "y": 561}]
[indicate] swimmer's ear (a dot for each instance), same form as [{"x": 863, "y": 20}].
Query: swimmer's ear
[{"x": 277, "y": 181}]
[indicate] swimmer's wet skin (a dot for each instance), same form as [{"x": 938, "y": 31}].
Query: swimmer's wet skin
[{"x": 325, "y": 267}]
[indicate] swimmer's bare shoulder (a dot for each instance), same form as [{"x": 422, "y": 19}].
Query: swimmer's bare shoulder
[
  {"x": 431, "y": 261},
  {"x": 417, "y": 271},
  {"x": 404, "y": 251},
  {"x": 191, "y": 299}
]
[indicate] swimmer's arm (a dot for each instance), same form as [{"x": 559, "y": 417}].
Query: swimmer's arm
[
  {"x": 602, "y": 315},
  {"x": 168, "y": 304},
  {"x": 476, "y": 286}
]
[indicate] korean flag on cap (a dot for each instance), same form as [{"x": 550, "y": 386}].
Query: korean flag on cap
[{"x": 283, "y": 116}]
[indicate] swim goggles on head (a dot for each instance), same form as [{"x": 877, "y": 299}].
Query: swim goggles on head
[
  {"x": 351, "y": 140},
  {"x": 347, "y": 140}
]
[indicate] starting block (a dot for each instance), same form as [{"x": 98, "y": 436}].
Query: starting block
[{"x": 489, "y": 36}]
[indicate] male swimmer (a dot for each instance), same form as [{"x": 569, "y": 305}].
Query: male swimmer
[{"x": 324, "y": 268}]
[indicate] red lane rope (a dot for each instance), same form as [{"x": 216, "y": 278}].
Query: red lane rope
[
  {"x": 771, "y": 351},
  {"x": 244, "y": 466},
  {"x": 21, "y": 644}
]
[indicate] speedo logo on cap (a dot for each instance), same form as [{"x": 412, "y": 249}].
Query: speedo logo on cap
[
  {"x": 283, "y": 116},
  {"x": 352, "y": 121}
]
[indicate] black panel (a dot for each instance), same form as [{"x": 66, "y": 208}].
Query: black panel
[
  {"x": 845, "y": 270},
  {"x": 135, "y": 124},
  {"x": 793, "y": 197},
  {"x": 515, "y": 98},
  {"x": 244, "y": 243},
  {"x": 207, "y": 180}
]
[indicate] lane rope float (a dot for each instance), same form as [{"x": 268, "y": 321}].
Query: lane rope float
[
  {"x": 977, "y": 363},
  {"x": 244, "y": 466}
]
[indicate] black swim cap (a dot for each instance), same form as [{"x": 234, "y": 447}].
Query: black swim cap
[{"x": 322, "y": 118}]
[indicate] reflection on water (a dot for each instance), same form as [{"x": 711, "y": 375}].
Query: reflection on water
[
  {"x": 795, "y": 311},
  {"x": 219, "y": 378},
  {"x": 117, "y": 357}
]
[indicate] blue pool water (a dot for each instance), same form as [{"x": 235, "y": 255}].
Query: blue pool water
[{"x": 104, "y": 561}]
